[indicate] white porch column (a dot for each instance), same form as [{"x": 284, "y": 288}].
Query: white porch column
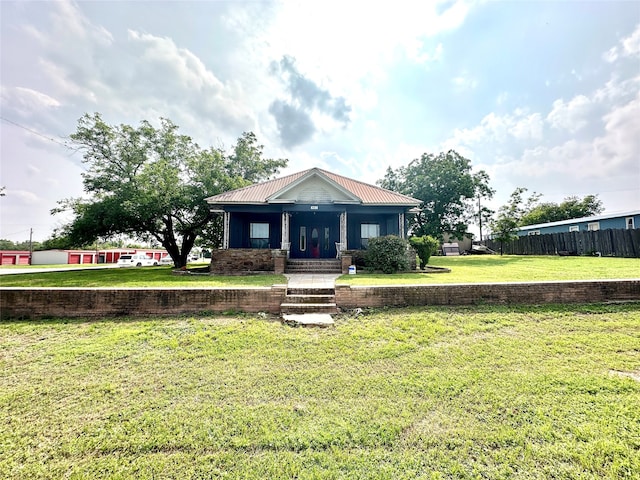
[
  {"x": 343, "y": 230},
  {"x": 225, "y": 237},
  {"x": 285, "y": 243},
  {"x": 401, "y": 225}
]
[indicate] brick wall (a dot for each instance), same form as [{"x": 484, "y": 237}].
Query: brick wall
[
  {"x": 16, "y": 302},
  {"x": 103, "y": 302},
  {"x": 238, "y": 261},
  {"x": 469, "y": 294}
]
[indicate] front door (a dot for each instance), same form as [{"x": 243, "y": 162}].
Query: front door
[{"x": 314, "y": 236}]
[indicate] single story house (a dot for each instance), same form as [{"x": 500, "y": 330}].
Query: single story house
[
  {"x": 625, "y": 220},
  {"x": 312, "y": 214}
]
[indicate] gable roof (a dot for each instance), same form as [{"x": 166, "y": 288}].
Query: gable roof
[{"x": 282, "y": 190}]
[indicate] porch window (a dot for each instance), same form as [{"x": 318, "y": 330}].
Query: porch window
[
  {"x": 367, "y": 231},
  {"x": 259, "y": 235},
  {"x": 593, "y": 226}
]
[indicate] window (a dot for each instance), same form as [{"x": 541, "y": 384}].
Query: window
[
  {"x": 534, "y": 232},
  {"x": 593, "y": 226},
  {"x": 574, "y": 228},
  {"x": 303, "y": 239},
  {"x": 259, "y": 235},
  {"x": 367, "y": 231},
  {"x": 629, "y": 222}
]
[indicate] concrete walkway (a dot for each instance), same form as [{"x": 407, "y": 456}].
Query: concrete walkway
[{"x": 311, "y": 280}]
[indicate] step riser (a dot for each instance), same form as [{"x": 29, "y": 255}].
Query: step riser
[
  {"x": 313, "y": 266},
  {"x": 305, "y": 299},
  {"x": 311, "y": 291},
  {"x": 294, "y": 309}
]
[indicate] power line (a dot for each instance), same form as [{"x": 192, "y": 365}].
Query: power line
[{"x": 38, "y": 133}]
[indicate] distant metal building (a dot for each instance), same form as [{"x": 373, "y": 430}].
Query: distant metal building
[
  {"x": 621, "y": 221},
  {"x": 14, "y": 257}
]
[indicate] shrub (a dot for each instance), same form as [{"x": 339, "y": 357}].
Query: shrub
[
  {"x": 425, "y": 246},
  {"x": 358, "y": 258},
  {"x": 388, "y": 254}
]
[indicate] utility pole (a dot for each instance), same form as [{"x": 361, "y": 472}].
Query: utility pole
[
  {"x": 480, "y": 218},
  {"x": 30, "y": 244}
]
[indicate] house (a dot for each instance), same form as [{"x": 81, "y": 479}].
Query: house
[
  {"x": 624, "y": 221},
  {"x": 312, "y": 214}
]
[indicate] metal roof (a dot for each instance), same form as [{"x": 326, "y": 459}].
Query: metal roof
[{"x": 261, "y": 193}]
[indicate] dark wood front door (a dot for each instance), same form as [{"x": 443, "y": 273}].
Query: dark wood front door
[{"x": 314, "y": 237}]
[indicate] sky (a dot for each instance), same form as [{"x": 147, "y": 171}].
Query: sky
[{"x": 543, "y": 95}]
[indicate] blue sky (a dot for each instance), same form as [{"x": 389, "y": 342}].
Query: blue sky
[{"x": 542, "y": 95}]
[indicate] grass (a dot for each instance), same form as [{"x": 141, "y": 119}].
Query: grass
[
  {"x": 508, "y": 268},
  {"x": 483, "y": 392},
  {"x": 157, "y": 277}
]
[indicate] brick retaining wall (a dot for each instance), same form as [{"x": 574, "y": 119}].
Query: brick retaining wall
[
  {"x": 103, "y": 302},
  {"x": 495, "y": 293},
  {"x": 17, "y": 302}
]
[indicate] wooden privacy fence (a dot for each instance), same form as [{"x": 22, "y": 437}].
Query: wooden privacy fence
[{"x": 610, "y": 243}]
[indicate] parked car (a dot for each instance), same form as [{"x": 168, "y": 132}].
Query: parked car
[
  {"x": 166, "y": 260},
  {"x": 136, "y": 260}
]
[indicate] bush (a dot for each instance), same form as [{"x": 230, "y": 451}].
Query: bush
[
  {"x": 388, "y": 254},
  {"x": 358, "y": 257},
  {"x": 425, "y": 246}
]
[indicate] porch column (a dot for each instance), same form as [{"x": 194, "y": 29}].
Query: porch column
[
  {"x": 343, "y": 230},
  {"x": 225, "y": 237},
  {"x": 401, "y": 225},
  {"x": 285, "y": 243}
]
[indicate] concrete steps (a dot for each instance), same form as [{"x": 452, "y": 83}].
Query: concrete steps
[
  {"x": 313, "y": 266},
  {"x": 299, "y": 301}
]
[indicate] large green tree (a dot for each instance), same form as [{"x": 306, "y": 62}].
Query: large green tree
[
  {"x": 569, "y": 208},
  {"x": 149, "y": 183},
  {"x": 446, "y": 186}
]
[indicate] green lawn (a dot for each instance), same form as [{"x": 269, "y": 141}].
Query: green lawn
[
  {"x": 464, "y": 269},
  {"x": 508, "y": 268},
  {"x": 157, "y": 277},
  {"x": 483, "y": 392}
]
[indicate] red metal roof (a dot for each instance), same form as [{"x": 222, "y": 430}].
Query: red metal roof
[{"x": 261, "y": 192}]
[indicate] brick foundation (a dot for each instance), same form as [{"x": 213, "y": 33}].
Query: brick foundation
[{"x": 239, "y": 261}]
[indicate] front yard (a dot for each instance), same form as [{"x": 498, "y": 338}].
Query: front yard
[
  {"x": 482, "y": 392},
  {"x": 508, "y": 268}
]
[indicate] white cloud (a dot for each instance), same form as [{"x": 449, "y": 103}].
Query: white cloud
[
  {"x": 628, "y": 47},
  {"x": 571, "y": 116},
  {"x": 26, "y": 101}
]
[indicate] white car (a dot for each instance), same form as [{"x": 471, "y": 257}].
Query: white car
[
  {"x": 136, "y": 260},
  {"x": 166, "y": 260}
]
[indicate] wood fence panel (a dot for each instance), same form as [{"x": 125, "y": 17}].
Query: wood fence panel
[{"x": 616, "y": 243}]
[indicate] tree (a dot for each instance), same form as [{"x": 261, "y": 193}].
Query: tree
[
  {"x": 445, "y": 185},
  {"x": 571, "y": 207},
  {"x": 424, "y": 246},
  {"x": 482, "y": 214},
  {"x": 504, "y": 229},
  {"x": 151, "y": 183}
]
